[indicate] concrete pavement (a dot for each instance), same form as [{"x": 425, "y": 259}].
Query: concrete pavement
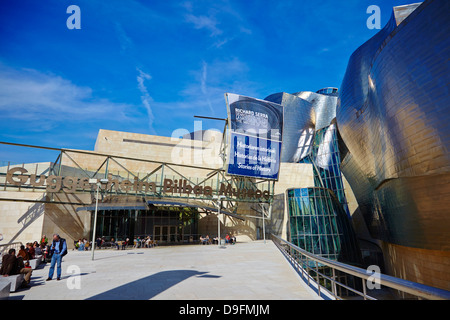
[{"x": 245, "y": 271}]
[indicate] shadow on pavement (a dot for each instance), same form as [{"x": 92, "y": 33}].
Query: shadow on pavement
[{"x": 148, "y": 287}]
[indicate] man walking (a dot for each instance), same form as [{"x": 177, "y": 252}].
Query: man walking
[{"x": 58, "y": 250}]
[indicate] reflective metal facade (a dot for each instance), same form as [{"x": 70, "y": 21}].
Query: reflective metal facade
[
  {"x": 298, "y": 128},
  {"x": 305, "y": 112},
  {"x": 319, "y": 219},
  {"x": 393, "y": 115},
  {"x": 324, "y": 106}
]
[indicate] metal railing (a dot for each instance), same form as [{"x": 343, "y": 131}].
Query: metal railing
[
  {"x": 308, "y": 263},
  {"x": 4, "y": 248}
]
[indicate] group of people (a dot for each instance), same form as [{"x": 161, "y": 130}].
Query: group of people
[
  {"x": 144, "y": 242},
  {"x": 138, "y": 242},
  {"x": 230, "y": 239},
  {"x": 13, "y": 264},
  {"x": 31, "y": 250},
  {"x": 82, "y": 244}
]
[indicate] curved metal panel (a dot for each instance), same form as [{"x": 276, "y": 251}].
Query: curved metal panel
[
  {"x": 324, "y": 106},
  {"x": 298, "y": 127},
  {"x": 393, "y": 116}
]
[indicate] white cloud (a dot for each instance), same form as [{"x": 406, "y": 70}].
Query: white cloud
[
  {"x": 30, "y": 95},
  {"x": 146, "y": 98},
  {"x": 204, "y": 95},
  {"x": 124, "y": 40},
  {"x": 204, "y": 22},
  {"x": 222, "y": 21},
  {"x": 204, "y": 87}
]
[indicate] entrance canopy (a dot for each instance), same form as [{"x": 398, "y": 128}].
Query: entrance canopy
[
  {"x": 191, "y": 204},
  {"x": 114, "y": 206},
  {"x": 158, "y": 203}
]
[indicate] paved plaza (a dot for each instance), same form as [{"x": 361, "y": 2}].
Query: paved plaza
[{"x": 245, "y": 271}]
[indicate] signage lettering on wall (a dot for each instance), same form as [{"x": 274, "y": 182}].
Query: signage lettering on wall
[{"x": 19, "y": 177}]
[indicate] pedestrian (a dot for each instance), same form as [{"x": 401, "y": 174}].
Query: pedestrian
[{"x": 58, "y": 250}]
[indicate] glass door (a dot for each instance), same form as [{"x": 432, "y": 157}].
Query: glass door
[
  {"x": 165, "y": 234},
  {"x": 157, "y": 234}
]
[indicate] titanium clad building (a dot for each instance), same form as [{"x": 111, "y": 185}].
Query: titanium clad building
[
  {"x": 318, "y": 216},
  {"x": 393, "y": 116}
]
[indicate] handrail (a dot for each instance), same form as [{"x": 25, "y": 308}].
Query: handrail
[
  {"x": 6, "y": 246},
  {"x": 410, "y": 287}
]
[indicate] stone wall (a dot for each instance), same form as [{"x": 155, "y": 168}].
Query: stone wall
[{"x": 21, "y": 221}]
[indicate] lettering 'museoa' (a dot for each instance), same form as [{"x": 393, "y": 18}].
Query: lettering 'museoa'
[
  {"x": 228, "y": 191},
  {"x": 18, "y": 176}
]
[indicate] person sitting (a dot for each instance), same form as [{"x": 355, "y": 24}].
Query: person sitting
[
  {"x": 47, "y": 252},
  {"x": 125, "y": 243},
  {"x": 12, "y": 265},
  {"x": 37, "y": 249},
  {"x": 31, "y": 251},
  {"x": 80, "y": 245},
  {"x": 23, "y": 253},
  {"x": 227, "y": 238},
  {"x": 114, "y": 243}
]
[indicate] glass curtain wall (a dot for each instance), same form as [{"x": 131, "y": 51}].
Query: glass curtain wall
[
  {"x": 326, "y": 157},
  {"x": 168, "y": 225},
  {"x": 319, "y": 225},
  {"x": 319, "y": 216}
]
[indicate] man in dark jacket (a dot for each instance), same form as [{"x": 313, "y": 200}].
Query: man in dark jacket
[
  {"x": 58, "y": 250},
  {"x": 11, "y": 265}
]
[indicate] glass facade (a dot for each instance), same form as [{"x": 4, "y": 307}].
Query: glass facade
[
  {"x": 328, "y": 91},
  {"x": 168, "y": 225},
  {"x": 326, "y": 156},
  {"x": 319, "y": 217},
  {"x": 319, "y": 225}
]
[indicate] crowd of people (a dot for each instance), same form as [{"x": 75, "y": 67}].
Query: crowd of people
[
  {"x": 229, "y": 239},
  {"x": 144, "y": 242},
  {"x": 82, "y": 244},
  {"x": 14, "y": 263},
  {"x": 102, "y": 242}
]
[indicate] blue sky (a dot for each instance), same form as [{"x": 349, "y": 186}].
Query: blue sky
[{"x": 150, "y": 66}]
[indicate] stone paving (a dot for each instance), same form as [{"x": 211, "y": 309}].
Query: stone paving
[{"x": 244, "y": 271}]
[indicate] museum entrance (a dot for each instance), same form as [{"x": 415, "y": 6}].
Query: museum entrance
[
  {"x": 163, "y": 234},
  {"x": 166, "y": 225}
]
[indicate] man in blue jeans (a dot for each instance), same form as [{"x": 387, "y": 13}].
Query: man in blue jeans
[{"x": 58, "y": 250}]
